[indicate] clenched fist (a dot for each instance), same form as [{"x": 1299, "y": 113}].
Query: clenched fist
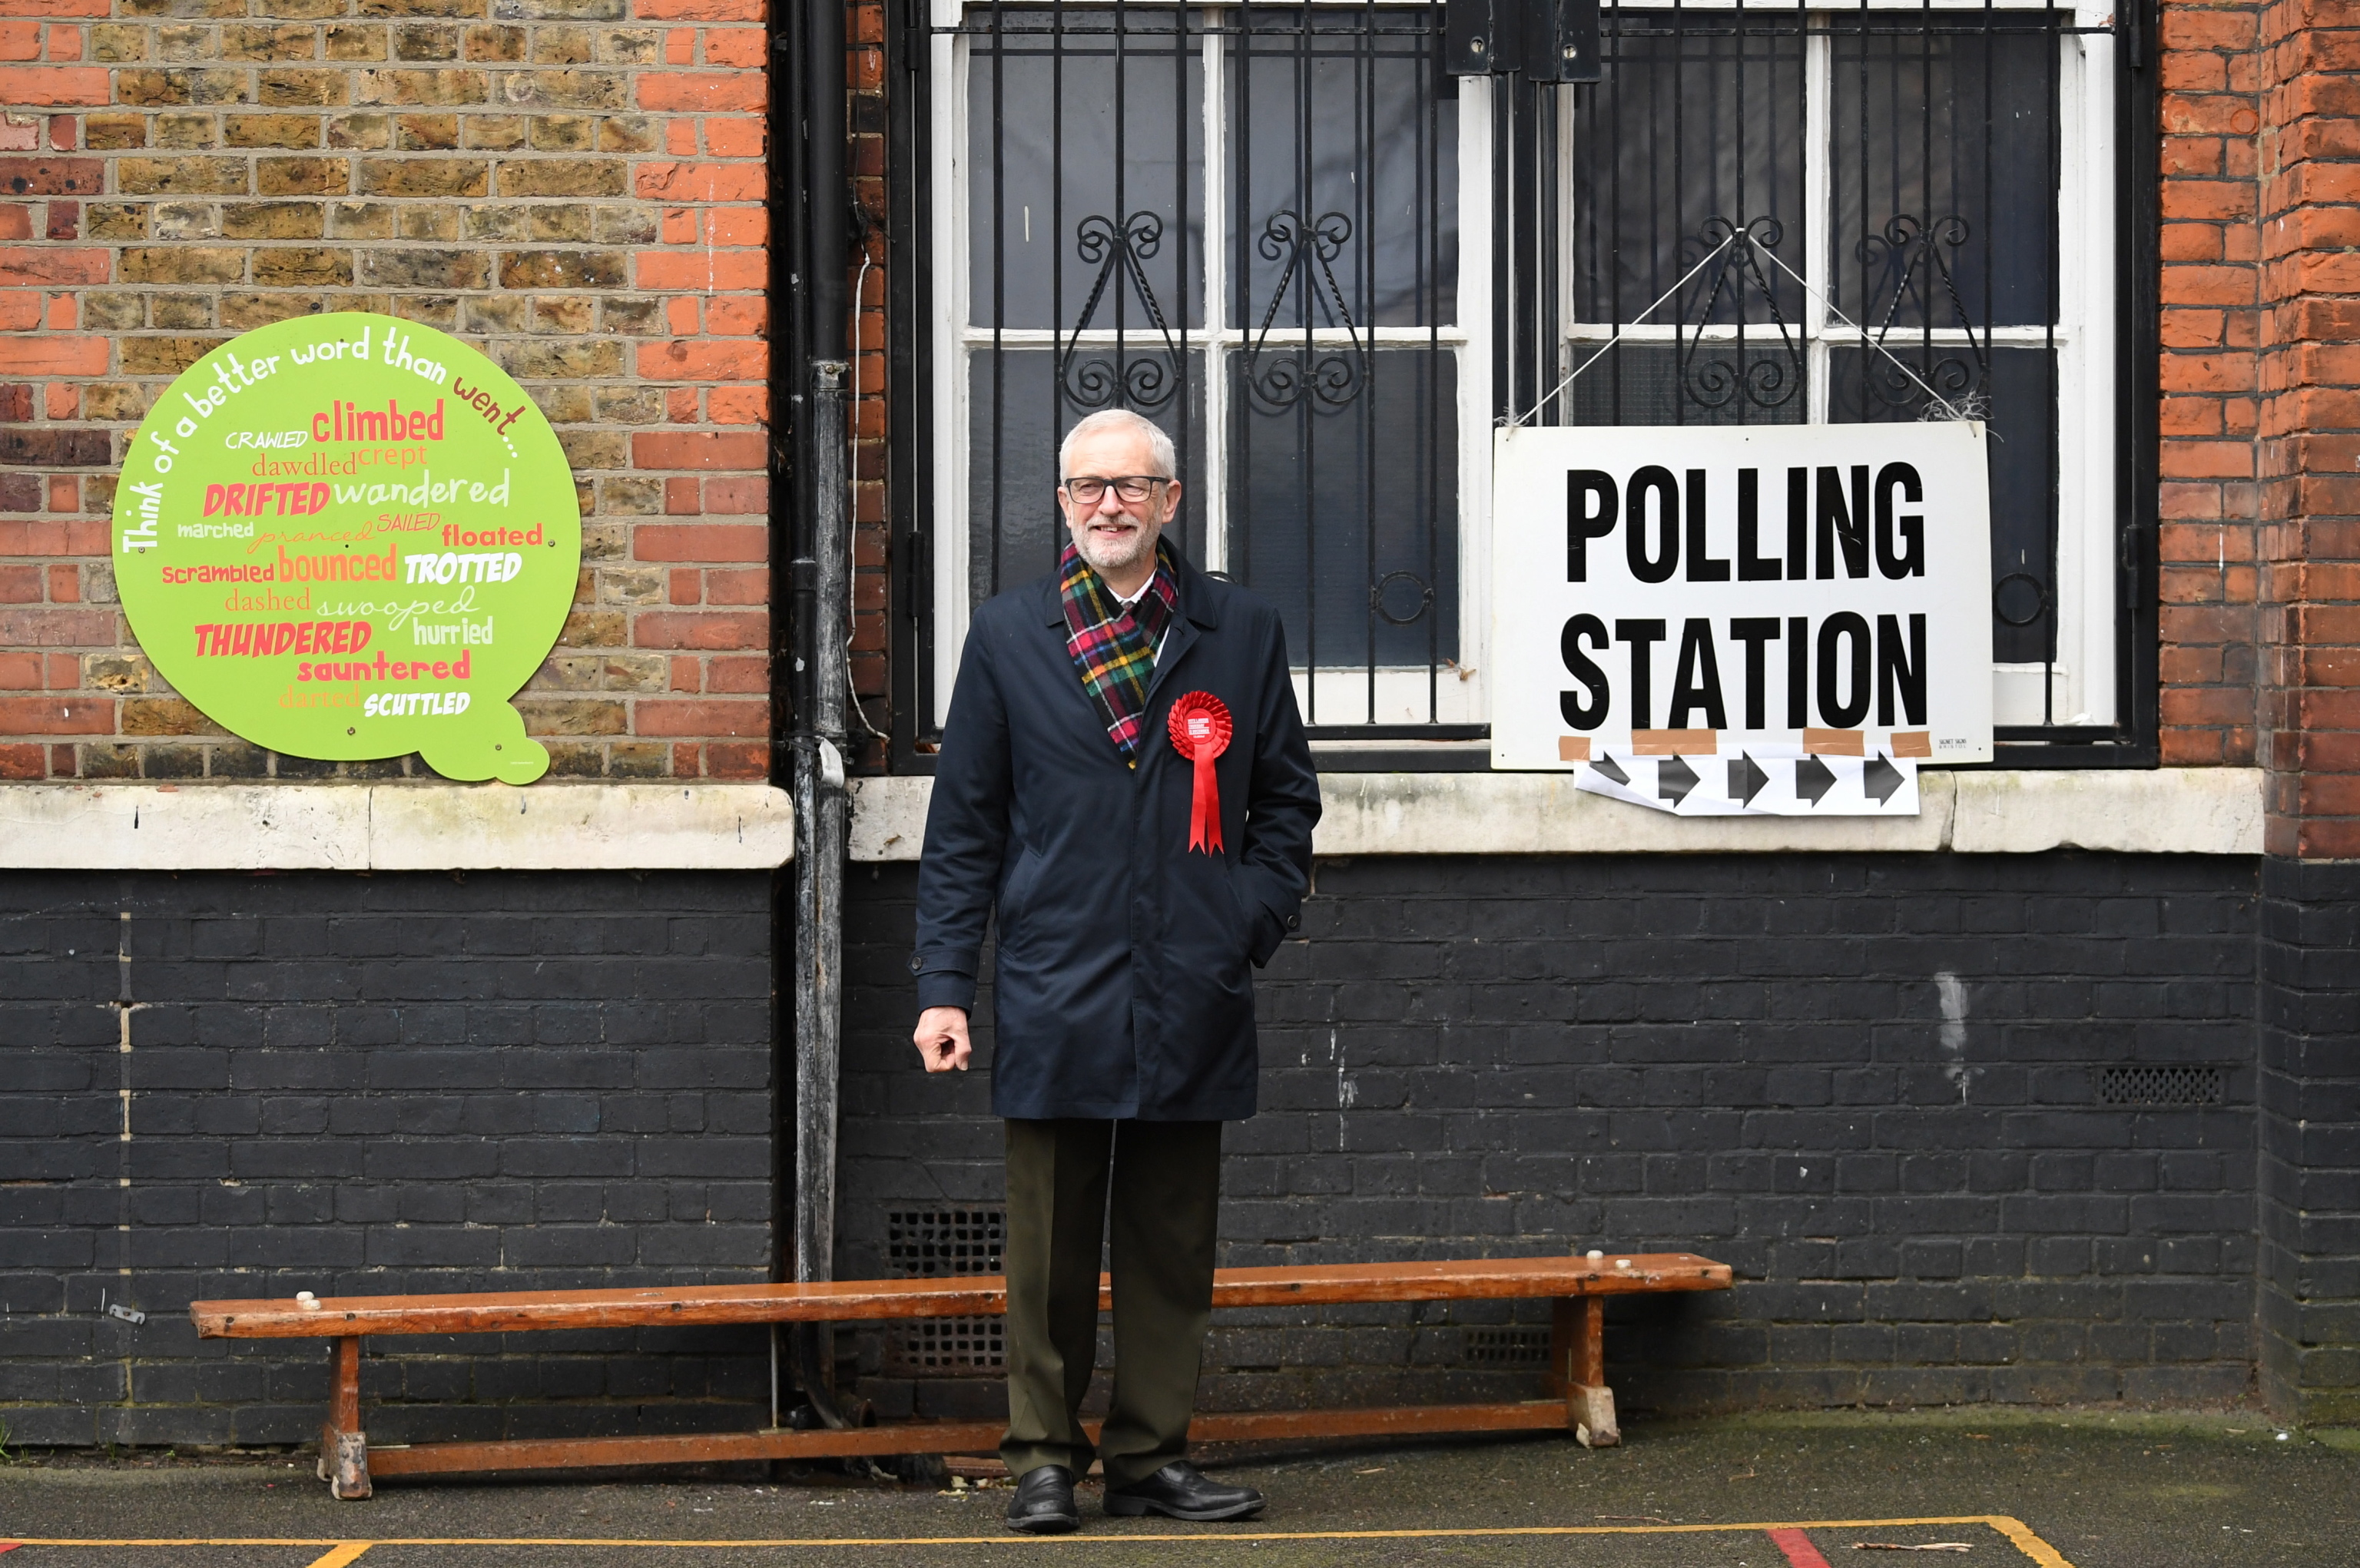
[{"x": 941, "y": 1038}]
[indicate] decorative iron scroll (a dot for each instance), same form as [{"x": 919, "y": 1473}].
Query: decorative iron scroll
[
  {"x": 1910, "y": 258},
  {"x": 1707, "y": 378},
  {"x": 1148, "y": 381},
  {"x": 1383, "y": 612},
  {"x": 1282, "y": 380}
]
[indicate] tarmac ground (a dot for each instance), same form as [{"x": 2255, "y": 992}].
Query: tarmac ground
[{"x": 2058, "y": 1489}]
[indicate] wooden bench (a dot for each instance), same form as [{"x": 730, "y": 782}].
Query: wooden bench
[{"x": 1577, "y": 1377}]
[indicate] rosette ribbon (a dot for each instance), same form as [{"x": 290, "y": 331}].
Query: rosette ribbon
[{"x": 1200, "y": 731}]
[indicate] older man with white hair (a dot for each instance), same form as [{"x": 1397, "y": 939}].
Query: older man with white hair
[{"x": 1125, "y": 789}]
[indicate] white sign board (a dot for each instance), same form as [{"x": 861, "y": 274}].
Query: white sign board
[{"x": 1787, "y": 595}]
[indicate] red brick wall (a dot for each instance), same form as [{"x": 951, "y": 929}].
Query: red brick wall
[
  {"x": 2211, "y": 296},
  {"x": 2261, "y": 409},
  {"x": 864, "y": 72},
  {"x": 2310, "y": 447},
  {"x": 575, "y": 186},
  {"x": 580, "y": 192}
]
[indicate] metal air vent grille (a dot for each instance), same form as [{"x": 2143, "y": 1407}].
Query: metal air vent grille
[
  {"x": 935, "y": 1243},
  {"x": 1506, "y": 1347},
  {"x": 2161, "y": 1086}
]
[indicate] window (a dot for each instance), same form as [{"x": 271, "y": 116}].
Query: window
[
  {"x": 1863, "y": 214},
  {"x": 1328, "y": 266},
  {"x": 1248, "y": 224}
]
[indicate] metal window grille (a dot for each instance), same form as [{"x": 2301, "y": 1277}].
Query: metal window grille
[
  {"x": 1242, "y": 222},
  {"x": 937, "y": 1243},
  {"x": 1248, "y": 220},
  {"x": 1790, "y": 213},
  {"x": 2161, "y": 1086}
]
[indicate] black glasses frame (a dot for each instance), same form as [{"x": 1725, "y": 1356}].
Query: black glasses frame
[{"x": 1117, "y": 482}]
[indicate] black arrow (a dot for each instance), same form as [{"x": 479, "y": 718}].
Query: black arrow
[
  {"x": 1674, "y": 780},
  {"x": 1882, "y": 779},
  {"x": 1605, "y": 767},
  {"x": 1746, "y": 778},
  {"x": 1813, "y": 779}
]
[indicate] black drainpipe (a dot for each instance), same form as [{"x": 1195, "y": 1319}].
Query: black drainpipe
[{"x": 809, "y": 203}]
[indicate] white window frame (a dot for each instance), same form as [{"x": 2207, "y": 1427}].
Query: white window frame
[
  {"x": 1342, "y": 690},
  {"x": 2083, "y": 685}
]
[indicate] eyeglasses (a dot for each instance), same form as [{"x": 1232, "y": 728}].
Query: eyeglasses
[{"x": 1132, "y": 488}]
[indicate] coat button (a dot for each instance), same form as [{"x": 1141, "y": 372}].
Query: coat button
[
  {"x": 917, "y": 964},
  {"x": 1292, "y": 921}
]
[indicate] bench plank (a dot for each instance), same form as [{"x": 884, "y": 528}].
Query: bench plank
[
  {"x": 970, "y": 1296},
  {"x": 923, "y": 1437}
]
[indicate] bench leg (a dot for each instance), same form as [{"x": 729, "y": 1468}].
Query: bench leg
[
  {"x": 1578, "y": 1370},
  {"x": 344, "y": 1450}
]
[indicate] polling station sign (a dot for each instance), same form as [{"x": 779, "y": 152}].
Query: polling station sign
[
  {"x": 1770, "y": 597},
  {"x": 351, "y": 537}
]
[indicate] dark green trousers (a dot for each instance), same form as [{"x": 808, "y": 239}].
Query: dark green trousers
[{"x": 1156, "y": 1188}]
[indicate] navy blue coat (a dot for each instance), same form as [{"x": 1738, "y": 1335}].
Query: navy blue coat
[{"x": 1120, "y": 981}]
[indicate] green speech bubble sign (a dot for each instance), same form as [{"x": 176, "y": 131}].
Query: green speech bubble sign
[{"x": 348, "y": 537}]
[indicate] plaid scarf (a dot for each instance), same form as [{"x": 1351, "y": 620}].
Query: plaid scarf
[{"x": 1114, "y": 648}]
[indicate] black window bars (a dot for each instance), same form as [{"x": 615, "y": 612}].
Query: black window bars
[{"x": 1246, "y": 222}]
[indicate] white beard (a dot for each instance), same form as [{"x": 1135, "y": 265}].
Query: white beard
[{"x": 1105, "y": 557}]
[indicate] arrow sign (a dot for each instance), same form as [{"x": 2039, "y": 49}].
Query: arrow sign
[
  {"x": 1746, "y": 778},
  {"x": 1813, "y": 779},
  {"x": 1881, "y": 779},
  {"x": 1674, "y": 780}
]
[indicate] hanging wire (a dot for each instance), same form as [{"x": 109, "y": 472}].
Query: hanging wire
[
  {"x": 1949, "y": 409},
  {"x": 1683, "y": 283},
  {"x": 852, "y": 502}
]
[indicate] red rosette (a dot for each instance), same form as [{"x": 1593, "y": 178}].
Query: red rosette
[{"x": 1200, "y": 729}]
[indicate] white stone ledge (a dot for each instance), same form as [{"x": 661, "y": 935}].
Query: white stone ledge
[
  {"x": 655, "y": 827},
  {"x": 2198, "y": 811},
  {"x": 295, "y": 827}
]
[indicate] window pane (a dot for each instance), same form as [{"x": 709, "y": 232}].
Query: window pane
[
  {"x": 1944, "y": 167},
  {"x": 1015, "y": 421},
  {"x": 1697, "y": 129},
  {"x": 1090, "y": 182},
  {"x": 1345, "y": 484},
  {"x": 1346, "y": 170},
  {"x": 2016, "y": 398}
]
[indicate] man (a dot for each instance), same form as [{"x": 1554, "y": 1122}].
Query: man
[{"x": 1133, "y": 885}]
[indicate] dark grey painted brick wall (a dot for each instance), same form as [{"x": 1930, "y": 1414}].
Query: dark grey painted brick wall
[
  {"x": 363, "y": 1084},
  {"x": 1743, "y": 1054},
  {"x": 2311, "y": 1139}
]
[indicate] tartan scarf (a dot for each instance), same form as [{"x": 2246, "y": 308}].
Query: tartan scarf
[{"x": 1113, "y": 648}]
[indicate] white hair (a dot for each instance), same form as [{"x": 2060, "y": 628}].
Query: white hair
[{"x": 1158, "y": 443}]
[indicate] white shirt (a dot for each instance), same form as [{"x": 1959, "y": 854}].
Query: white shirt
[{"x": 1131, "y": 603}]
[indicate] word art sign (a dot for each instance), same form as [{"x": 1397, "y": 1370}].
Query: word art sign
[
  {"x": 1776, "y": 619},
  {"x": 350, "y": 537}
]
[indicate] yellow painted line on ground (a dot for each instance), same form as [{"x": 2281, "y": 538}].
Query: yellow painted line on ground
[
  {"x": 2018, "y": 1533},
  {"x": 2031, "y": 1545}
]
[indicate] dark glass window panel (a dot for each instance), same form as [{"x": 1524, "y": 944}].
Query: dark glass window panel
[
  {"x": 1716, "y": 381},
  {"x": 1944, "y": 165},
  {"x": 1346, "y": 479},
  {"x": 1014, "y": 531},
  {"x": 1699, "y": 118},
  {"x": 1076, "y": 137},
  {"x": 1344, "y": 201},
  {"x": 2016, "y": 398}
]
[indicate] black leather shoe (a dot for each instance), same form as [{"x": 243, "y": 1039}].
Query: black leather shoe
[
  {"x": 1181, "y": 1491},
  {"x": 1043, "y": 1504}
]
